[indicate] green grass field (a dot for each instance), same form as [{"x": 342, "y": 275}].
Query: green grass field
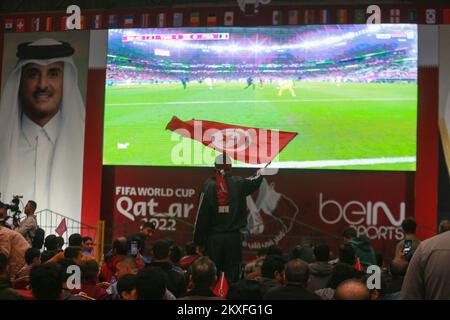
[{"x": 346, "y": 122}]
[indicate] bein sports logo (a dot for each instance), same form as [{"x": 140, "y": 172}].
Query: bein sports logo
[{"x": 364, "y": 217}]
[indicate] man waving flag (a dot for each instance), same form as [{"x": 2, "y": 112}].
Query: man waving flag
[{"x": 246, "y": 144}]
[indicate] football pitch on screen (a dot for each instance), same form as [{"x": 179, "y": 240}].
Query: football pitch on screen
[{"x": 362, "y": 126}]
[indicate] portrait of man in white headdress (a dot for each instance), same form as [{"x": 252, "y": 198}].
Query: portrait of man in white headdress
[{"x": 42, "y": 117}]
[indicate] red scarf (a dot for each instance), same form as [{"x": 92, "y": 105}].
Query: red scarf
[{"x": 221, "y": 189}]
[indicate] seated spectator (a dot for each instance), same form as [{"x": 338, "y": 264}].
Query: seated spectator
[
  {"x": 397, "y": 271},
  {"x": 176, "y": 281},
  {"x": 246, "y": 289},
  {"x": 444, "y": 226},
  {"x": 297, "y": 274},
  {"x": 46, "y": 282},
  {"x": 108, "y": 269},
  {"x": 409, "y": 227},
  {"x": 50, "y": 242},
  {"x": 87, "y": 246},
  {"x": 347, "y": 256},
  {"x": 60, "y": 244},
  {"x": 303, "y": 252},
  {"x": 272, "y": 273},
  {"x": 340, "y": 273},
  {"x": 126, "y": 287},
  {"x": 151, "y": 284},
  {"x": 203, "y": 279},
  {"x": 320, "y": 271},
  {"x": 75, "y": 240},
  {"x": 363, "y": 250},
  {"x": 14, "y": 246},
  {"x": 89, "y": 280},
  {"x": 6, "y": 291},
  {"x": 32, "y": 258},
  {"x": 74, "y": 254},
  {"x": 175, "y": 255},
  {"x": 352, "y": 290},
  {"x": 65, "y": 273},
  {"x": 126, "y": 266},
  {"x": 190, "y": 257}
]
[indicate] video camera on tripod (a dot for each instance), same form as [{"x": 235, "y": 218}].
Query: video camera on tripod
[{"x": 14, "y": 208}]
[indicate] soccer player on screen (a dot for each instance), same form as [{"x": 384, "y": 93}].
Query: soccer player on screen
[
  {"x": 286, "y": 84},
  {"x": 250, "y": 83}
]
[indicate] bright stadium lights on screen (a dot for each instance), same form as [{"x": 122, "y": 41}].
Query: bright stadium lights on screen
[{"x": 349, "y": 92}]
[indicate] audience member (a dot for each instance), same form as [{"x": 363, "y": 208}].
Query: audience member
[
  {"x": 409, "y": 227},
  {"x": 6, "y": 291},
  {"x": 191, "y": 255},
  {"x": 151, "y": 284},
  {"x": 87, "y": 246},
  {"x": 297, "y": 274},
  {"x": 428, "y": 274},
  {"x": 176, "y": 280},
  {"x": 126, "y": 287},
  {"x": 272, "y": 273},
  {"x": 444, "y": 226},
  {"x": 203, "y": 279},
  {"x": 13, "y": 245},
  {"x": 32, "y": 258},
  {"x": 46, "y": 282},
  {"x": 89, "y": 281},
  {"x": 352, "y": 290},
  {"x": 340, "y": 273},
  {"x": 320, "y": 271},
  {"x": 363, "y": 251}
]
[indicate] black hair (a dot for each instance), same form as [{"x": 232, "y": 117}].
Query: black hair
[
  {"x": 87, "y": 238},
  {"x": 46, "y": 282},
  {"x": 75, "y": 240},
  {"x": 60, "y": 241},
  {"x": 347, "y": 254},
  {"x": 149, "y": 224},
  {"x": 89, "y": 270},
  {"x": 340, "y": 273},
  {"x": 322, "y": 252},
  {"x": 151, "y": 284},
  {"x": 245, "y": 290},
  {"x": 120, "y": 247},
  {"x": 161, "y": 249},
  {"x": 33, "y": 204},
  {"x": 349, "y": 233},
  {"x": 30, "y": 254},
  {"x": 47, "y": 255},
  {"x": 272, "y": 264},
  {"x": 191, "y": 249},
  {"x": 50, "y": 242},
  {"x": 409, "y": 225},
  {"x": 126, "y": 283},
  {"x": 72, "y": 252},
  {"x": 175, "y": 254}
]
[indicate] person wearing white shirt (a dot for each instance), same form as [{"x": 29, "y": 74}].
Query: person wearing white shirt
[{"x": 42, "y": 119}]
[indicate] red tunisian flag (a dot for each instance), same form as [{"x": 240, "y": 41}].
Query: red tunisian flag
[
  {"x": 62, "y": 227},
  {"x": 221, "y": 289},
  {"x": 246, "y": 144}
]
